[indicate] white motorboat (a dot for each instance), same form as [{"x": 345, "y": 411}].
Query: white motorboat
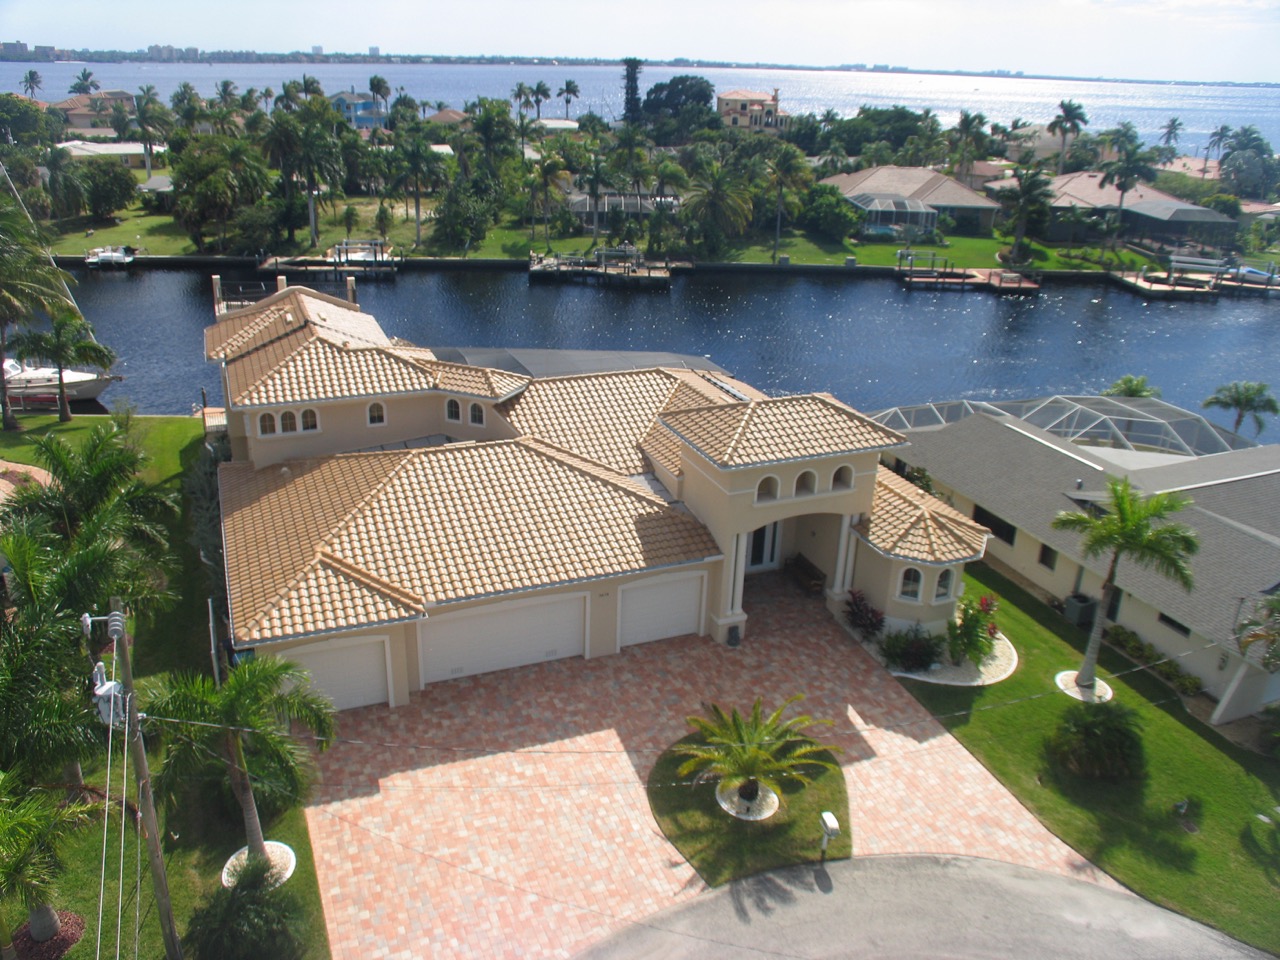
[
  {"x": 38, "y": 386},
  {"x": 108, "y": 257}
]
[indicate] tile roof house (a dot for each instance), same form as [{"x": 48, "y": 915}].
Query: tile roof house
[
  {"x": 892, "y": 195},
  {"x": 752, "y": 110},
  {"x": 391, "y": 519},
  {"x": 1015, "y": 469}
]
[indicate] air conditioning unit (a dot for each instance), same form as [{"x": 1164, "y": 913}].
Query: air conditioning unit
[{"x": 1080, "y": 610}]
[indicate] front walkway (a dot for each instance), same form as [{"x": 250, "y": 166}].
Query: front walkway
[{"x": 505, "y": 815}]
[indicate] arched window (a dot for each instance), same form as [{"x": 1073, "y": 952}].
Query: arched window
[
  {"x": 806, "y": 483},
  {"x": 288, "y": 422},
  {"x": 309, "y": 420},
  {"x": 843, "y": 479},
  {"x": 453, "y": 410},
  {"x": 767, "y": 489},
  {"x": 267, "y": 424},
  {"x": 910, "y": 589},
  {"x": 943, "y": 589},
  {"x": 377, "y": 415},
  {"x": 477, "y": 415}
]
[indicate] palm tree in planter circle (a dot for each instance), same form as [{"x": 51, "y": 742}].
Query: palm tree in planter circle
[
  {"x": 749, "y": 752},
  {"x": 1136, "y": 528}
]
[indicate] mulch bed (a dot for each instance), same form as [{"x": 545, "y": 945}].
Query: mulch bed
[{"x": 70, "y": 934}]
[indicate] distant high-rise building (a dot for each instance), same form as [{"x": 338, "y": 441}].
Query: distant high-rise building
[
  {"x": 13, "y": 49},
  {"x": 375, "y": 52},
  {"x": 317, "y": 51},
  {"x": 191, "y": 53}
]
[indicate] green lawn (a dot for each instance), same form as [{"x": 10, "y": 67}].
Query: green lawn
[
  {"x": 1227, "y": 874},
  {"x": 206, "y": 828},
  {"x": 722, "y": 848}
]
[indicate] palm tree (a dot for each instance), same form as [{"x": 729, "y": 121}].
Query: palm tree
[
  {"x": 84, "y": 83},
  {"x": 1169, "y": 133},
  {"x": 228, "y": 95},
  {"x": 522, "y": 96},
  {"x": 31, "y": 82},
  {"x": 1246, "y": 398},
  {"x": 1131, "y": 386},
  {"x": 68, "y": 342},
  {"x": 1030, "y": 197},
  {"x": 248, "y": 715},
  {"x": 720, "y": 202},
  {"x": 597, "y": 178},
  {"x": 746, "y": 753},
  {"x": 153, "y": 120},
  {"x": 539, "y": 94},
  {"x": 310, "y": 87},
  {"x": 254, "y": 917},
  {"x": 187, "y": 104},
  {"x": 568, "y": 93},
  {"x": 29, "y": 281},
  {"x": 1217, "y": 140},
  {"x": 1131, "y": 165},
  {"x": 968, "y": 141},
  {"x": 33, "y": 826},
  {"x": 1073, "y": 219},
  {"x": 380, "y": 89},
  {"x": 266, "y": 96},
  {"x": 1263, "y": 626},
  {"x": 1071, "y": 119},
  {"x": 547, "y": 173},
  {"x": 787, "y": 169},
  {"x": 422, "y": 166},
  {"x": 1136, "y": 528}
]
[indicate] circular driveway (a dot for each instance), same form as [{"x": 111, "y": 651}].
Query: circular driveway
[{"x": 904, "y": 908}]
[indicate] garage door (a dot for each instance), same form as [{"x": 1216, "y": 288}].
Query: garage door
[
  {"x": 660, "y": 607},
  {"x": 351, "y": 675},
  {"x": 504, "y": 635}
]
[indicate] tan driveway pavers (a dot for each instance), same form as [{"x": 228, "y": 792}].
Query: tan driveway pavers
[{"x": 505, "y": 815}]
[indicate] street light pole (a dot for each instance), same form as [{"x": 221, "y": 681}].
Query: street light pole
[{"x": 146, "y": 802}]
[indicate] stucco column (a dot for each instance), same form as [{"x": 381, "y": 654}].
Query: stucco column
[
  {"x": 840, "y": 575},
  {"x": 742, "y": 542},
  {"x": 729, "y": 613}
]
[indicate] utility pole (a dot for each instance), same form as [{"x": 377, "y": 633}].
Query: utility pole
[{"x": 138, "y": 753}]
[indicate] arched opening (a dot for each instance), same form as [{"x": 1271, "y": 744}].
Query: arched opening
[
  {"x": 267, "y": 424},
  {"x": 806, "y": 484},
  {"x": 477, "y": 415},
  {"x": 767, "y": 489},
  {"x": 453, "y": 410},
  {"x": 910, "y": 589},
  {"x": 377, "y": 415},
  {"x": 309, "y": 420},
  {"x": 288, "y": 422},
  {"x": 943, "y": 590},
  {"x": 843, "y": 478}
]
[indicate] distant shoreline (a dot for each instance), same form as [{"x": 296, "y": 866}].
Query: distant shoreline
[{"x": 225, "y": 58}]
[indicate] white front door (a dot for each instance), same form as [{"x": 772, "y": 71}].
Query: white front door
[{"x": 762, "y": 551}]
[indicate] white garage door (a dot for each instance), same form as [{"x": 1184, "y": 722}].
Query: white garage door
[
  {"x": 660, "y": 607},
  {"x": 351, "y": 675},
  {"x": 504, "y": 635}
]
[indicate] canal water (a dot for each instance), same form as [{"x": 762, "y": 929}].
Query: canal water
[{"x": 868, "y": 341}]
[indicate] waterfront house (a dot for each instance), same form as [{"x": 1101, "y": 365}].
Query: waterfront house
[
  {"x": 361, "y": 109},
  {"x": 391, "y": 519},
  {"x": 1013, "y": 466},
  {"x": 132, "y": 155},
  {"x": 891, "y": 198},
  {"x": 752, "y": 110},
  {"x": 448, "y": 116},
  {"x": 85, "y": 110}
]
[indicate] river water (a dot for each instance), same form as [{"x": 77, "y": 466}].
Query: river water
[{"x": 868, "y": 341}]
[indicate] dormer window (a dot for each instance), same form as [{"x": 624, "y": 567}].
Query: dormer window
[
  {"x": 310, "y": 421},
  {"x": 266, "y": 424},
  {"x": 453, "y": 411},
  {"x": 377, "y": 415},
  {"x": 843, "y": 479},
  {"x": 477, "y": 415},
  {"x": 806, "y": 484},
  {"x": 288, "y": 422},
  {"x": 910, "y": 589},
  {"x": 767, "y": 490}
]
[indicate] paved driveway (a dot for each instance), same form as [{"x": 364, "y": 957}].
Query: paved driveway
[{"x": 505, "y": 815}]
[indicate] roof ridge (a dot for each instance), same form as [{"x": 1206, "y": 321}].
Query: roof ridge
[
  {"x": 275, "y": 367},
  {"x": 273, "y": 604},
  {"x": 326, "y": 542},
  {"x": 575, "y": 461},
  {"x": 742, "y": 426},
  {"x": 370, "y": 579}
]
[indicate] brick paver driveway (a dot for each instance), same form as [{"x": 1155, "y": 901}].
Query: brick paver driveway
[{"x": 505, "y": 815}]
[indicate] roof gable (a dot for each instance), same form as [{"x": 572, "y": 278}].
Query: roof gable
[{"x": 908, "y": 523}]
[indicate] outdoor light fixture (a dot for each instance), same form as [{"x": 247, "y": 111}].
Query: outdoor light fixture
[{"x": 830, "y": 829}]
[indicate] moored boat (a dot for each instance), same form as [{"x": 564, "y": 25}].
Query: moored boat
[
  {"x": 109, "y": 257},
  {"x": 38, "y": 386}
]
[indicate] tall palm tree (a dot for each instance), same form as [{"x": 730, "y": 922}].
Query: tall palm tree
[
  {"x": 747, "y": 752},
  {"x": 1131, "y": 386},
  {"x": 1131, "y": 165},
  {"x": 539, "y": 94},
  {"x": 968, "y": 141},
  {"x": 522, "y": 96},
  {"x": 227, "y": 94},
  {"x": 310, "y": 87},
  {"x": 1030, "y": 196},
  {"x": 1217, "y": 140},
  {"x": 68, "y": 342},
  {"x": 720, "y": 202},
  {"x": 596, "y": 178},
  {"x": 33, "y": 825},
  {"x": 266, "y": 96},
  {"x": 1131, "y": 527},
  {"x": 422, "y": 167},
  {"x": 152, "y": 119},
  {"x": 249, "y": 714},
  {"x": 786, "y": 170},
  {"x": 547, "y": 172},
  {"x": 29, "y": 282},
  {"x": 1248, "y": 399},
  {"x": 1070, "y": 120},
  {"x": 1170, "y": 131},
  {"x": 31, "y": 82},
  {"x": 85, "y": 82},
  {"x": 381, "y": 90},
  {"x": 568, "y": 93}
]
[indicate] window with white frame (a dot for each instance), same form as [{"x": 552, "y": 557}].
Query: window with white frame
[
  {"x": 910, "y": 589},
  {"x": 310, "y": 421},
  {"x": 453, "y": 410},
  {"x": 943, "y": 589},
  {"x": 477, "y": 415},
  {"x": 266, "y": 424},
  {"x": 377, "y": 415},
  {"x": 288, "y": 422}
]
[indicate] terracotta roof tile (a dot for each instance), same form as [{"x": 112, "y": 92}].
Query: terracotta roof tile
[
  {"x": 908, "y": 523},
  {"x": 389, "y": 533},
  {"x": 778, "y": 430}
]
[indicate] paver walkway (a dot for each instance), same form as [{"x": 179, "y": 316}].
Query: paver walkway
[{"x": 505, "y": 815}]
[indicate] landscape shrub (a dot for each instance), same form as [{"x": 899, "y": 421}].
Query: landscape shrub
[
  {"x": 1187, "y": 685},
  {"x": 864, "y": 617},
  {"x": 1270, "y": 733},
  {"x": 1099, "y": 741},
  {"x": 911, "y": 650},
  {"x": 972, "y": 635},
  {"x": 1168, "y": 670}
]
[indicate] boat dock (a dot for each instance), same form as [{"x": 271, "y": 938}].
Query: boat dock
[
  {"x": 229, "y": 295},
  {"x": 622, "y": 266},
  {"x": 1199, "y": 279},
  {"x": 374, "y": 259},
  {"x": 932, "y": 271}
]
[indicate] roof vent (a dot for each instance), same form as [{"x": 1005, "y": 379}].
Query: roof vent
[
  {"x": 1079, "y": 484},
  {"x": 285, "y": 471}
]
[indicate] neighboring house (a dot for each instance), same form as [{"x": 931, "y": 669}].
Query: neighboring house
[
  {"x": 80, "y": 113},
  {"x": 1013, "y": 466},
  {"x": 391, "y": 519},
  {"x": 634, "y": 204},
  {"x": 893, "y": 197},
  {"x": 361, "y": 109},
  {"x": 752, "y": 110},
  {"x": 132, "y": 155},
  {"x": 448, "y": 116},
  {"x": 1149, "y": 214},
  {"x": 983, "y": 171}
]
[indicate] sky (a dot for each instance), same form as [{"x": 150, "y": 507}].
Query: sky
[{"x": 1231, "y": 40}]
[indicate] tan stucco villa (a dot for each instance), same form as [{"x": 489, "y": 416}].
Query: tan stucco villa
[{"x": 391, "y": 520}]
